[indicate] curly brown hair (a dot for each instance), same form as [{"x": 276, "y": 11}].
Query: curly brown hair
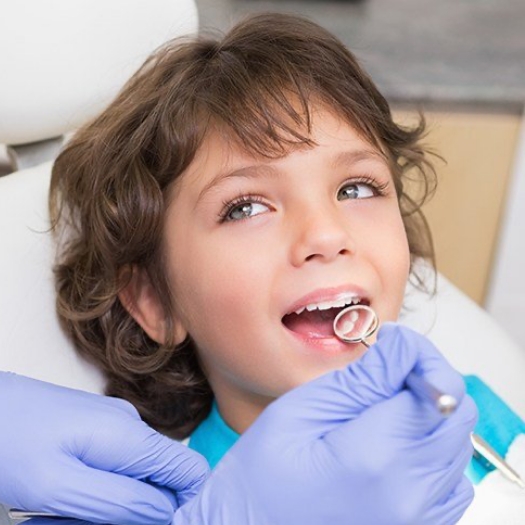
[{"x": 110, "y": 184}]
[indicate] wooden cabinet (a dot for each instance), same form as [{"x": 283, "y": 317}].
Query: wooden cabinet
[{"x": 465, "y": 213}]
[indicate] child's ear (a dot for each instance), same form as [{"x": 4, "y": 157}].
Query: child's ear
[{"x": 141, "y": 301}]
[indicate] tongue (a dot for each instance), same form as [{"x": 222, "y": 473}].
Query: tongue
[{"x": 312, "y": 324}]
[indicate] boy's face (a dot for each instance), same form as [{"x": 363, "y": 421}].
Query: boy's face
[{"x": 251, "y": 240}]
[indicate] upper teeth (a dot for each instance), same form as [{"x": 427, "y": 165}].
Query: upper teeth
[{"x": 326, "y": 305}]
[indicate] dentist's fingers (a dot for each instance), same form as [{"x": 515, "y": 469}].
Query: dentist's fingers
[
  {"x": 150, "y": 456},
  {"x": 399, "y": 426},
  {"x": 81, "y": 435},
  {"x": 445, "y": 479},
  {"x": 393, "y": 448},
  {"x": 380, "y": 374},
  {"x": 104, "y": 497},
  {"x": 433, "y": 366},
  {"x": 344, "y": 394},
  {"x": 452, "y": 509},
  {"x": 454, "y": 432}
]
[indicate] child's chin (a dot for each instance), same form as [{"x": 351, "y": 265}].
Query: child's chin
[{"x": 313, "y": 374}]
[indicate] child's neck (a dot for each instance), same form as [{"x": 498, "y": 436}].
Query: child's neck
[{"x": 240, "y": 411}]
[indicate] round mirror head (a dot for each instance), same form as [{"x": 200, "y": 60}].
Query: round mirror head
[{"x": 355, "y": 324}]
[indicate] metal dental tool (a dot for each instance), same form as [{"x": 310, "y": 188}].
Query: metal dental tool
[
  {"x": 483, "y": 449},
  {"x": 356, "y": 323},
  {"x": 18, "y": 514}
]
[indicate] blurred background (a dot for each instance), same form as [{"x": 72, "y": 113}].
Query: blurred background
[{"x": 461, "y": 62}]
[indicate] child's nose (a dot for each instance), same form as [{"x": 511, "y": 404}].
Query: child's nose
[{"x": 322, "y": 235}]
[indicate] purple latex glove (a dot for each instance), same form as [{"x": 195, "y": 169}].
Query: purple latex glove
[
  {"x": 87, "y": 456},
  {"x": 352, "y": 447}
]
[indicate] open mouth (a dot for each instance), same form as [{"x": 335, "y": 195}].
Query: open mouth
[{"x": 317, "y": 320}]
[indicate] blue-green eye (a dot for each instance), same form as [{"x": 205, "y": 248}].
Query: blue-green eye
[
  {"x": 359, "y": 190},
  {"x": 244, "y": 210}
]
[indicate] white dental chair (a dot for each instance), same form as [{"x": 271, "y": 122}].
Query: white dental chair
[
  {"x": 61, "y": 64},
  {"x": 94, "y": 47}
]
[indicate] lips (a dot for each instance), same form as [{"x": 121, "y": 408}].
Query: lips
[{"x": 314, "y": 315}]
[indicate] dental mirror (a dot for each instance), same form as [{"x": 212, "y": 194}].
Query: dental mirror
[{"x": 355, "y": 324}]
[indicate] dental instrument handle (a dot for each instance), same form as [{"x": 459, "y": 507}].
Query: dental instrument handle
[
  {"x": 485, "y": 450},
  {"x": 444, "y": 403},
  {"x": 18, "y": 514}
]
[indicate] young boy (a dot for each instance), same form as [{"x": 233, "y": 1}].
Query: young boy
[
  {"x": 231, "y": 188},
  {"x": 220, "y": 213}
]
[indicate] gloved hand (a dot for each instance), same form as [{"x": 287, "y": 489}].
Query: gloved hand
[
  {"x": 82, "y": 455},
  {"x": 352, "y": 447}
]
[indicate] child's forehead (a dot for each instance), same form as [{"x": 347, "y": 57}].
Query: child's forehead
[
  {"x": 322, "y": 122},
  {"x": 223, "y": 153}
]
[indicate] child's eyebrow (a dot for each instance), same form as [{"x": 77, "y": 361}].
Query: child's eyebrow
[
  {"x": 249, "y": 172},
  {"x": 355, "y": 156},
  {"x": 343, "y": 158}
]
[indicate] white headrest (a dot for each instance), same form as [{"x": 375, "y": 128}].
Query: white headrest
[
  {"x": 31, "y": 340},
  {"x": 62, "y": 61}
]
